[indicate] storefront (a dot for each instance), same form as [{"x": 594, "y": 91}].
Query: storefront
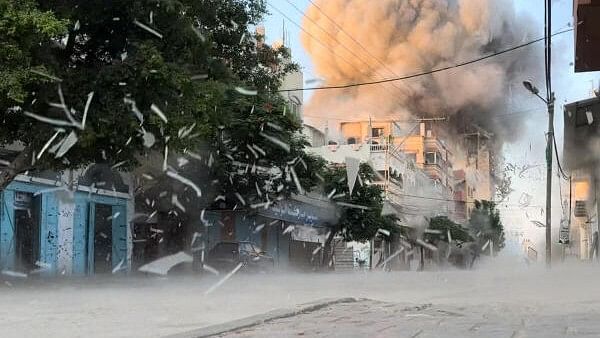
[{"x": 48, "y": 230}]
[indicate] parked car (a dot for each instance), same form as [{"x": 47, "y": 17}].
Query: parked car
[{"x": 225, "y": 256}]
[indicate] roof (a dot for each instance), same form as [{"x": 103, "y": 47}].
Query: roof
[{"x": 581, "y": 103}]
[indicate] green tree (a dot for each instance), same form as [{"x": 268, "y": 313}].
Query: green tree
[
  {"x": 444, "y": 225},
  {"x": 360, "y": 217},
  {"x": 26, "y": 34},
  {"x": 116, "y": 81},
  {"x": 485, "y": 225}
]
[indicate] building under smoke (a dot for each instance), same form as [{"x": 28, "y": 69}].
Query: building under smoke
[{"x": 392, "y": 38}]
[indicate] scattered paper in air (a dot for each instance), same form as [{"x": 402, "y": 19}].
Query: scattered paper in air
[
  {"x": 162, "y": 265},
  {"x": 276, "y": 141},
  {"x": 158, "y": 112},
  {"x": 352, "y": 166},
  {"x": 150, "y": 30},
  {"x": 48, "y": 143},
  {"x": 119, "y": 267},
  {"x": 85, "y": 110},
  {"x": 185, "y": 181},
  {"x": 68, "y": 142},
  {"x": 210, "y": 269},
  {"x": 149, "y": 139},
  {"x": 15, "y": 274},
  {"x": 590, "y": 117},
  {"x": 350, "y": 205},
  {"x": 219, "y": 283},
  {"x": 383, "y": 231},
  {"x": 426, "y": 245},
  {"x": 245, "y": 91},
  {"x": 48, "y": 120}
]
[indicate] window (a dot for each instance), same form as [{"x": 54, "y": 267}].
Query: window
[
  {"x": 376, "y": 132},
  {"x": 247, "y": 247},
  {"x": 585, "y": 115},
  {"x": 430, "y": 158},
  {"x": 351, "y": 140}
]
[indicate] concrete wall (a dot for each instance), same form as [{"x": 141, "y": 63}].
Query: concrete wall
[{"x": 64, "y": 226}]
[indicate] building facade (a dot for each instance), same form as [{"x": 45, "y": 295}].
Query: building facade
[
  {"x": 581, "y": 157},
  {"x": 53, "y": 228}
]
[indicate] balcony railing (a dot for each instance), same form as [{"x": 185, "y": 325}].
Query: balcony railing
[{"x": 379, "y": 147}]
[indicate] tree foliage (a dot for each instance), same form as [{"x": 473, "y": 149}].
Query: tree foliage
[
  {"x": 443, "y": 224},
  {"x": 147, "y": 76},
  {"x": 358, "y": 224},
  {"x": 485, "y": 224}
]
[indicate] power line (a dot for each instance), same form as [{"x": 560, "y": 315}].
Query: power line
[
  {"x": 433, "y": 71},
  {"x": 353, "y": 39},
  {"x": 315, "y": 39},
  {"x": 519, "y": 112},
  {"x": 453, "y": 200},
  {"x": 562, "y": 172},
  {"x": 341, "y": 44}
]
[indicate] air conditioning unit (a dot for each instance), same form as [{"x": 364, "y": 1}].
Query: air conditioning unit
[{"x": 580, "y": 209}]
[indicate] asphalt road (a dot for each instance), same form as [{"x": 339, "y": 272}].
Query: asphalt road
[{"x": 502, "y": 298}]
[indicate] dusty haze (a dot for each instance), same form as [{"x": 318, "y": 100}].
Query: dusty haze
[{"x": 407, "y": 37}]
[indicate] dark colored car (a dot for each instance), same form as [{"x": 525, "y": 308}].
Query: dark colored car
[{"x": 227, "y": 255}]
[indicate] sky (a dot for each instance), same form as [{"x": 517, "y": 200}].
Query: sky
[{"x": 526, "y": 149}]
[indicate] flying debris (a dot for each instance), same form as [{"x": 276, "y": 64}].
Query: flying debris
[
  {"x": 119, "y": 267},
  {"x": 426, "y": 245},
  {"x": 316, "y": 250},
  {"x": 138, "y": 114},
  {"x": 66, "y": 144},
  {"x": 199, "y": 34},
  {"x": 276, "y": 141},
  {"x": 149, "y": 138},
  {"x": 391, "y": 256},
  {"x": 350, "y": 205},
  {"x": 53, "y": 78},
  {"x": 259, "y": 228},
  {"x": 85, "y": 110},
  {"x": 45, "y": 191},
  {"x": 219, "y": 283},
  {"x": 210, "y": 269},
  {"x": 15, "y": 274},
  {"x": 245, "y": 91},
  {"x": 162, "y": 265},
  {"x": 199, "y": 77},
  {"x": 158, "y": 112},
  {"x": 150, "y": 30},
  {"x": 45, "y": 147},
  {"x": 48, "y": 120},
  {"x": 185, "y": 181},
  {"x": 384, "y": 232},
  {"x": 175, "y": 202}
]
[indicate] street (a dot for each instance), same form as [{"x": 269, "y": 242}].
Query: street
[
  {"x": 369, "y": 318},
  {"x": 501, "y": 298}
]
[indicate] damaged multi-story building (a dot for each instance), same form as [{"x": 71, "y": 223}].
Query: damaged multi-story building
[{"x": 581, "y": 152}]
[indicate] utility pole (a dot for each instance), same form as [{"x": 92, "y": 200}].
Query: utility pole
[
  {"x": 549, "y": 144},
  {"x": 549, "y": 100}
]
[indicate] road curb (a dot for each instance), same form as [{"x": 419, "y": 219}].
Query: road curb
[{"x": 243, "y": 323}]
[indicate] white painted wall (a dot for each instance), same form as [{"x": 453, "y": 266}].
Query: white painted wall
[{"x": 66, "y": 211}]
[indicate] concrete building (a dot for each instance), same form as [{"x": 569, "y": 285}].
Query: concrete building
[
  {"x": 581, "y": 153},
  {"x": 407, "y": 185},
  {"x": 586, "y": 20},
  {"x": 71, "y": 223},
  {"x": 474, "y": 181}
]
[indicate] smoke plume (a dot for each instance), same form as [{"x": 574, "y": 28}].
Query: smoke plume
[{"x": 404, "y": 37}]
